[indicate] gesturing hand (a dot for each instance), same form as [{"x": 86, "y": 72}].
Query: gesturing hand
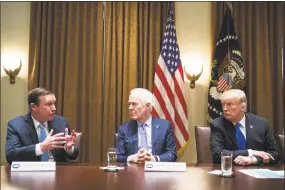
[
  {"x": 70, "y": 140},
  {"x": 53, "y": 141}
]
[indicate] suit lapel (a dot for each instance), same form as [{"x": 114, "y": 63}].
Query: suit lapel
[
  {"x": 50, "y": 127},
  {"x": 31, "y": 128},
  {"x": 231, "y": 132},
  {"x": 248, "y": 130},
  {"x": 134, "y": 134},
  {"x": 154, "y": 133}
]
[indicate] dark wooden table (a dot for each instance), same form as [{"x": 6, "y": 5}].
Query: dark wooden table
[{"x": 133, "y": 177}]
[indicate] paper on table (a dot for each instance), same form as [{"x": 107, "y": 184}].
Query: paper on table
[
  {"x": 261, "y": 173},
  {"x": 106, "y": 167},
  {"x": 279, "y": 172},
  {"x": 216, "y": 172}
]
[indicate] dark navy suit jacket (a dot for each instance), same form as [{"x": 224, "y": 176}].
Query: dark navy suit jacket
[
  {"x": 22, "y": 138},
  {"x": 258, "y": 137},
  {"x": 163, "y": 143}
]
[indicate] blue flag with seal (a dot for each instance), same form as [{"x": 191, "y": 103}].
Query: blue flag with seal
[{"x": 228, "y": 70}]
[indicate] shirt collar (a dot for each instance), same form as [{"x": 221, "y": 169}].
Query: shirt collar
[
  {"x": 36, "y": 123},
  {"x": 148, "y": 122},
  {"x": 242, "y": 122}
]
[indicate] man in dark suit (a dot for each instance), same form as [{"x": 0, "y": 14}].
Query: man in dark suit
[
  {"x": 145, "y": 138},
  {"x": 247, "y": 135},
  {"x": 40, "y": 135}
]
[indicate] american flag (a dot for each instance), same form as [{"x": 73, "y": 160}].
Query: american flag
[
  {"x": 168, "y": 85},
  {"x": 224, "y": 83},
  {"x": 228, "y": 70}
]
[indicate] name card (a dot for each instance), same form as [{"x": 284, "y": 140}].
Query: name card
[
  {"x": 32, "y": 166},
  {"x": 165, "y": 166}
]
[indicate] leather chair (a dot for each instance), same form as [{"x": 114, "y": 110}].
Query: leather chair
[
  {"x": 280, "y": 139},
  {"x": 79, "y": 143},
  {"x": 202, "y": 134}
]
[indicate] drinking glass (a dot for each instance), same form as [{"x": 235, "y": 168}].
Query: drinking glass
[
  {"x": 112, "y": 158},
  {"x": 227, "y": 162}
]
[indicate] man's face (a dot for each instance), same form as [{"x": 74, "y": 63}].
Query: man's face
[
  {"x": 138, "y": 110},
  {"x": 45, "y": 111},
  {"x": 232, "y": 109}
]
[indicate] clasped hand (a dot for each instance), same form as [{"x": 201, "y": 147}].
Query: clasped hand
[
  {"x": 142, "y": 156},
  {"x": 57, "y": 141}
]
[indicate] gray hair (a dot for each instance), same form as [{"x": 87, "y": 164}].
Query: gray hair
[
  {"x": 144, "y": 95},
  {"x": 238, "y": 94}
]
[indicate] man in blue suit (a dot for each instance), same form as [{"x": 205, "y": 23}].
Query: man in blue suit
[
  {"x": 145, "y": 138},
  {"x": 40, "y": 135}
]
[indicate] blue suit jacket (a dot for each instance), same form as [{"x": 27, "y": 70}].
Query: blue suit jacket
[
  {"x": 22, "y": 138},
  {"x": 163, "y": 144}
]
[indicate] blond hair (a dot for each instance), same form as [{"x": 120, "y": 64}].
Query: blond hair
[{"x": 238, "y": 94}]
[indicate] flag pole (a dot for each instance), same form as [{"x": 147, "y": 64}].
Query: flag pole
[{"x": 229, "y": 5}]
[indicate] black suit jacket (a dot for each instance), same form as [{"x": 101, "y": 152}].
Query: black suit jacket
[
  {"x": 22, "y": 138},
  {"x": 258, "y": 137}
]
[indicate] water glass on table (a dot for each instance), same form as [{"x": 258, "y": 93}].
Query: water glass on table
[
  {"x": 112, "y": 158},
  {"x": 227, "y": 163}
]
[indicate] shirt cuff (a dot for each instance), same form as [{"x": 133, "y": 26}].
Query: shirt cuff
[
  {"x": 129, "y": 158},
  {"x": 158, "y": 159},
  {"x": 69, "y": 152},
  {"x": 250, "y": 153},
  {"x": 254, "y": 159},
  {"x": 38, "y": 150},
  {"x": 132, "y": 158}
]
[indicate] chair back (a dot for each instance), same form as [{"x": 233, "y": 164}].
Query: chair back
[
  {"x": 79, "y": 144},
  {"x": 280, "y": 140},
  {"x": 202, "y": 134}
]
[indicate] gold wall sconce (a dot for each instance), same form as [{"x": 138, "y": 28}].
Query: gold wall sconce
[
  {"x": 193, "y": 74},
  {"x": 13, "y": 72}
]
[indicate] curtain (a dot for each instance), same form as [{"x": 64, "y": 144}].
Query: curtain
[
  {"x": 66, "y": 55},
  {"x": 260, "y": 27},
  {"x": 133, "y": 34},
  {"x": 91, "y": 70}
]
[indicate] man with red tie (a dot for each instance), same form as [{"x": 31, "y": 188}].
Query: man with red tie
[{"x": 247, "y": 135}]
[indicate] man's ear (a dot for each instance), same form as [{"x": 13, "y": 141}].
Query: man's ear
[
  {"x": 243, "y": 107},
  {"x": 148, "y": 105},
  {"x": 33, "y": 106}
]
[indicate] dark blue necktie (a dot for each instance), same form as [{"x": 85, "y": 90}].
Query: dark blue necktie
[
  {"x": 43, "y": 136},
  {"x": 240, "y": 137}
]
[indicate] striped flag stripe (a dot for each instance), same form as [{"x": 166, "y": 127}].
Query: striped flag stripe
[
  {"x": 171, "y": 100},
  {"x": 168, "y": 85}
]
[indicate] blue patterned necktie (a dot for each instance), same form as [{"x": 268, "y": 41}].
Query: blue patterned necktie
[
  {"x": 43, "y": 136},
  {"x": 240, "y": 137},
  {"x": 143, "y": 138}
]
